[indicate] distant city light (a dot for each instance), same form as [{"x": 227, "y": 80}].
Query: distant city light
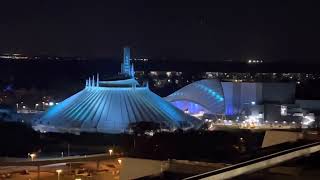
[
  {"x": 14, "y": 56},
  {"x": 255, "y": 61},
  {"x": 283, "y": 110},
  {"x": 307, "y": 120}
]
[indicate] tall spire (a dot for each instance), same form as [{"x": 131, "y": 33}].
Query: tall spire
[
  {"x": 126, "y": 67},
  {"x": 132, "y": 71},
  {"x": 93, "y": 81},
  {"x": 97, "y": 84},
  {"x": 89, "y": 82}
]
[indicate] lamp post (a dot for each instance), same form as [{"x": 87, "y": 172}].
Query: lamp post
[
  {"x": 36, "y": 106},
  {"x": 59, "y": 171},
  {"x": 110, "y": 152},
  {"x": 33, "y": 155}
]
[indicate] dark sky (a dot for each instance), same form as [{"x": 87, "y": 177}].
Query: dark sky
[{"x": 195, "y": 30}]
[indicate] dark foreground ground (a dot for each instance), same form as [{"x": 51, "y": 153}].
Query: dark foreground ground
[{"x": 17, "y": 140}]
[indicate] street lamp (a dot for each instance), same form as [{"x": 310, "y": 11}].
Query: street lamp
[
  {"x": 119, "y": 161},
  {"x": 110, "y": 151},
  {"x": 59, "y": 171},
  {"x": 33, "y": 155},
  {"x": 36, "y": 106}
]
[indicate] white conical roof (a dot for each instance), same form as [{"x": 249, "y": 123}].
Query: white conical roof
[
  {"x": 111, "y": 110},
  {"x": 110, "y": 106}
]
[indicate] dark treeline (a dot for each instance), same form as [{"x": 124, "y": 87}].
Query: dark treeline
[{"x": 18, "y": 140}]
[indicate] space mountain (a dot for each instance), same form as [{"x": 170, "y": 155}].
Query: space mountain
[{"x": 110, "y": 106}]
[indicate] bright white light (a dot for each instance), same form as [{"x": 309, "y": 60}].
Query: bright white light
[
  {"x": 307, "y": 120},
  {"x": 154, "y": 73},
  {"x": 283, "y": 110},
  {"x": 251, "y": 121},
  {"x": 33, "y": 155},
  {"x": 59, "y": 171},
  {"x": 227, "y": 122},
  {"x": 149, "y": 133},
  {"x": 110, "y": 152},
  {"x": 51, "y": 103},
  {"x": 253, "y": 102}
]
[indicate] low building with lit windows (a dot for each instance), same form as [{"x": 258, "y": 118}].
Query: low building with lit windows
[{"x": 253, "y": 103}]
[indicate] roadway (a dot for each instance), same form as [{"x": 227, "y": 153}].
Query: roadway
[{"x": 48, "y": 161}]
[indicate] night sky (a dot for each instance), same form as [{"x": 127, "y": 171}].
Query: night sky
[{"x": 198, "y": 31}]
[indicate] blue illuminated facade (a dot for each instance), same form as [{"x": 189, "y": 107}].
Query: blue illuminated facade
[
  {"x": 191, "y": 107},
  {"x": 201, "y": 96},
  {"x": 110, "y": 106}
]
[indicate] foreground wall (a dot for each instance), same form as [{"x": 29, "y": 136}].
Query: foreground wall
[
  {"x": 133, "y": 168},
  {"x": 273, "y": 137}
]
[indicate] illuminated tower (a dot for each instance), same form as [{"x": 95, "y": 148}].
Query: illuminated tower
[{"x": 126, "y": 65}]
